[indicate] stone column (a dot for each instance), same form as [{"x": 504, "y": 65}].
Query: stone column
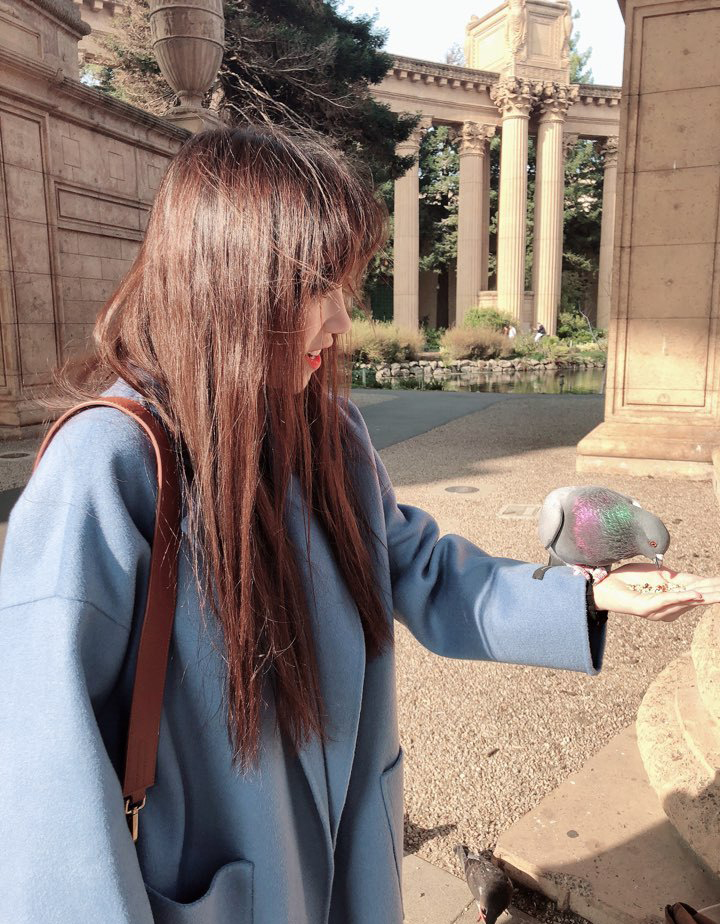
[
  {"x": 610, "y": 155},
  {"x": 485, "y": 242},
  {"x": 406, "y": 257},
  {"x": 514, "y": 98},
  {"x": 472, "y": 216},
  {"x": 549, "y": 200}
]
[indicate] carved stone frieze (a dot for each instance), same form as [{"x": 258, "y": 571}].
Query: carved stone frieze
[
  {"x": 609, "y": 151},
  {"x": 474, "y": 137},
  {"x": 570, "y": 139},
  {"x": 516, "y": 28},
  {"x": 554, "y": 100},
  {"x": 514, "y": 96},
  {"x": 567, "y": 28},
  {"x": 412, "y": 144}
]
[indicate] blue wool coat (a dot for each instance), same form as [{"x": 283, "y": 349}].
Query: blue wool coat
[{"x": 307, "y": 840}]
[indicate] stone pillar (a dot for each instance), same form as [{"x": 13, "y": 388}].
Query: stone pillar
[
  {"x": 514, "y": 98},
  {"x": 662, "y": 393},
  {"x": 472, "y": 216},
  {"x": 607, "y": 230},
  {"x": 188, "y": 42},
  {"x": 406, "y": 257},
  {"x": 485, "y": 242},
  {"x": 549, "y": 201}
]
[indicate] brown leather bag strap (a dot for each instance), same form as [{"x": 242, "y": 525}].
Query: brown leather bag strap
[{"x": 149, "y": 685}]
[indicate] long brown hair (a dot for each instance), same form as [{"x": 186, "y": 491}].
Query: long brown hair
[{"x": 248, "y": 228}]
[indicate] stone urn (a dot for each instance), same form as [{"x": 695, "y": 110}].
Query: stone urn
[{"x": 188, "y": 41}]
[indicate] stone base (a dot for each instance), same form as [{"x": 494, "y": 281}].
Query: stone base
[
  {"x": 601, "y": 845},
  {"x": 680, "y": 746},
  {"x": 642, "y": 448},
  {"x": 193, "y": 118},
  {"x": 642, "y": 468}
]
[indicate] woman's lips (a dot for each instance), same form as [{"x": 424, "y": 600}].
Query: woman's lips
[{"x": 314, "y": 361}]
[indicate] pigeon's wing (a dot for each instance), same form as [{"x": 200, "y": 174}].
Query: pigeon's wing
[
  {"x": 552, "y": 516},
  {"x": 486, "y": 880}
]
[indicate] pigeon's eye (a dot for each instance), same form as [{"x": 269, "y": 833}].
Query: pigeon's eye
[{"x": 653, "y": 543}]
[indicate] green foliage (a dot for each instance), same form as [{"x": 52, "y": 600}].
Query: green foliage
[
  {"x": 487, "y": 317},
  {"x": 439, "y": 195},
  {"x": 579, "y": 70},
  {"x": 433, "y": 336},
  {"x": 573, "y": 325},
  {"x": 300, "y": 63}
]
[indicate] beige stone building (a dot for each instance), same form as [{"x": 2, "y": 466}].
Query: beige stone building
[{"x": 516, "y": 84}]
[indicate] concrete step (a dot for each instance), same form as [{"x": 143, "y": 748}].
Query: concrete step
[
  {"x": 706, "y": 658},
  {"x": 680, "y": 746},
  {"x": 600, "y": 845}
]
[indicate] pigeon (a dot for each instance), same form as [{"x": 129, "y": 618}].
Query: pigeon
[
  {"x": 491, "y": 888},
  {"x": 591, "y": 528}
]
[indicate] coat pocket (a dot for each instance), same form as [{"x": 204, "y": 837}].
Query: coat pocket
[
  {"x": 391, "y": 782},
  {"x": 229, "y": 900}
]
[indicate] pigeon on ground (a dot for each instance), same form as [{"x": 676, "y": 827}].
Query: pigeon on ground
[
  {"x": 592, "y": 528},
  {"x": 491, "y": 888}
]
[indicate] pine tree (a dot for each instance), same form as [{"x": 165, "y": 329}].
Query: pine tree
[{"x": 299, "y": 63}]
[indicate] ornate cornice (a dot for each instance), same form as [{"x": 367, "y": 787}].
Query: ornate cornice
[
  {"x": 609, "y": 151},
  {"x": 65, "y": 12},
  {"x": 514, "y": 96},
  {"x": 412, "y": 144},
  {"x": 473, "y": 138},
  {"x": 554, "y": 100},
  {"x": 431, "y": 72}
]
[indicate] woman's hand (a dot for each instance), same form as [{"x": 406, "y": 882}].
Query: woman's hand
[{"x": 620, "y": 592}]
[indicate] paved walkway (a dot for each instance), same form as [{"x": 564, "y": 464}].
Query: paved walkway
[{"x": 485, "y": 742}]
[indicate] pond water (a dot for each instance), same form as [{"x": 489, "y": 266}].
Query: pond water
[{"x": 555, "y": 382}]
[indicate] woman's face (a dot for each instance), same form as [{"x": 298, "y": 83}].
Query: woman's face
[{"x": 326, "y": 317}]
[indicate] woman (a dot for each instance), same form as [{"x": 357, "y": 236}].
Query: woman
[{"x": 278, "y": 795}]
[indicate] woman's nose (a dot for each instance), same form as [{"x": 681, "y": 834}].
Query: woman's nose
[{"x": 337, "y": 320}]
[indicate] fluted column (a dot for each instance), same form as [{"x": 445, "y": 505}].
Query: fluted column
[
  {"x": 472, "y": 216},
  {"x": 406, "y": 257},
  {"x": 607, "y": 231},
  {"x": 514, "y": 98},
  {"x": 554, "y": 102},
  {"x": 485, "y": 248}
]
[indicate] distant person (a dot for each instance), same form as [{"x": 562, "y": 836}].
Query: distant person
[
  {"x": 539, "y": 333},
  {"x": 512, "y": 332}
]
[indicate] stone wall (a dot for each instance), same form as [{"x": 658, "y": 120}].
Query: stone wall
[{"x": 78, "y": 174}]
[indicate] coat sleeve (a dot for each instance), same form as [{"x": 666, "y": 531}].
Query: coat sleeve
[
  {"x": 74, "y": 573},
  {"x": 460, "y": 602}
]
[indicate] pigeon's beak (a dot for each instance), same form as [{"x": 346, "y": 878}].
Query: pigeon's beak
[{"x": 658, "y": 560}]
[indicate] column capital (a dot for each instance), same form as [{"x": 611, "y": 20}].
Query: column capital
[
  {"x": 514, "y": 96},
  {"x": 554, "y": 100},
  {"x": 411, "y": 145},
  {"x": 570, "y": 139},
  {"x": 609, "y": 151},
  {"x": 473, "y": 137}
]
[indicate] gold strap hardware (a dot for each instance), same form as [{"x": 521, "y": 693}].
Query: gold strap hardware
[{"x": 131, "y": 811}]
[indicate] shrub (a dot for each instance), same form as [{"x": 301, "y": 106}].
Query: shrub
[
  {"x": 433, "y": 335},
  {"x": 487, "y": 317},
  {"x": 474, "y": 343},
  {"x": 574, "y": 326},
  {"x": 383, "y": 341}
]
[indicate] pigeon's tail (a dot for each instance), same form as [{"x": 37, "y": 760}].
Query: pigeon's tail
[{"x": 461, "y": 852}]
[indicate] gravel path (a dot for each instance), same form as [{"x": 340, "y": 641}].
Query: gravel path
[{"x": 485, "y": 742}]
